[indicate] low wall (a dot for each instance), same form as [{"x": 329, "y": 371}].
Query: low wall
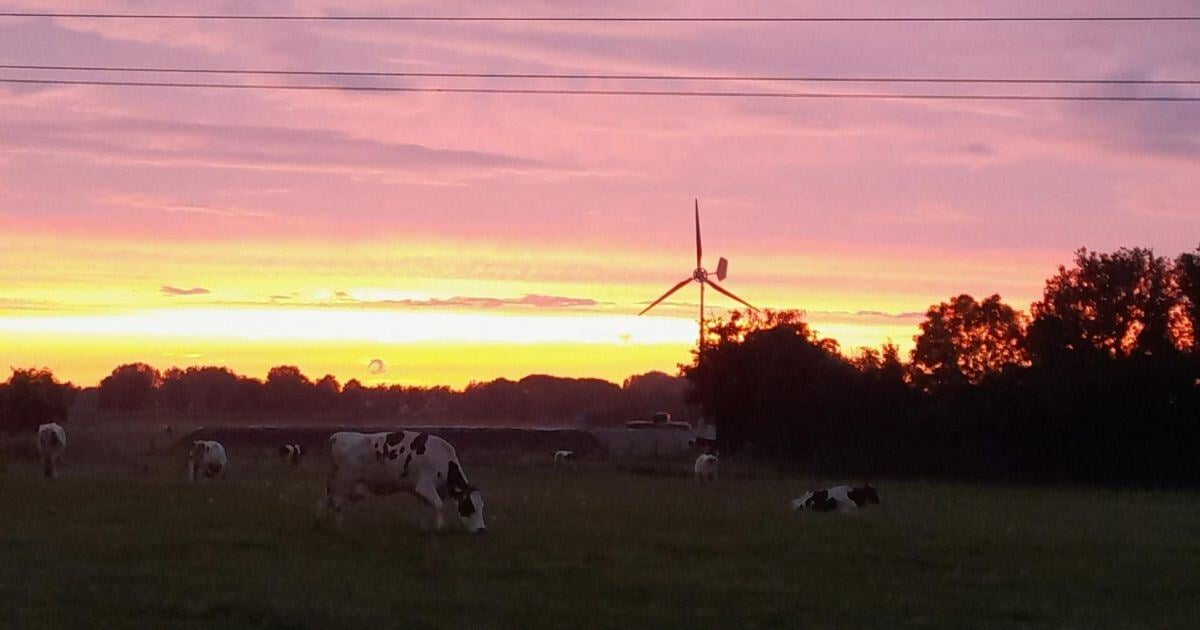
[
  {"x": 466, "y": 440},
  {"x": 644, "y": 442},
  {"x": 470, "y": 440}
]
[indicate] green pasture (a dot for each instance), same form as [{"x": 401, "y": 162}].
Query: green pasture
[{"x": 121, "y": 541}]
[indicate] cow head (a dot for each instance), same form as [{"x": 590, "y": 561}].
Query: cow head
[
  {"x": 864, "y": 494},
  {"x": 802, "y": 502},
  {"x": 198, "y": 450},
  {"x": 470, "y": 511},
  {"x": 470, "y": 501}
]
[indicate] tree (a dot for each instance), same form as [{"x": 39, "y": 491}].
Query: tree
[
  {"x": 962, "y": 341},
  {"x": 1187, "y": 282},
  {"x": 353, "y": 397},
  {"x": 500, "y": 399},
  {"x": 883, "y": 364},
  {"x": 33, "y": 397},
  {"x": 1114, "y": 304},
  {"x": 767, "y": 380},
  {"x": 173, "y": 389},
  {"x": 288, "y": 389},
  {"x": 130, "y": 387},
  {"x": 644, "y": 394},
  {"x": 327, "y": 393}
]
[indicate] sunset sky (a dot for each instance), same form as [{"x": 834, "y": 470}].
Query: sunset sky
[{"x": 444, "y": 238}]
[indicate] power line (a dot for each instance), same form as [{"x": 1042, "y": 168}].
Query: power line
[
  {"x": 500, "y": 18},
  {"x": 619, "y": 77},
  {"x": 585, "y": 92}
]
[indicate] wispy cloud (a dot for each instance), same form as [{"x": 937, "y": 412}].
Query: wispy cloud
[
  {"x": 17, "y": 304},
  {"x": 926, "y": 213},
  {"x": 469, "y": 302},
  {"x": 169, "y": 290},
  {"x": 164, "y": 142},
  {"x": 167, "y": 204}
]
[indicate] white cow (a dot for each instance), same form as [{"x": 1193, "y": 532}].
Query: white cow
[
  {"x": 706, "y": 467},
  {"x": 564, "y": 457},
  {"x": 206, "y": 459},
  {"x": 51, "y": 442},
  {"x": 401, "y": 461},
  {"x": 291, "y": 454},
  {"x": 841, "y": 498}
]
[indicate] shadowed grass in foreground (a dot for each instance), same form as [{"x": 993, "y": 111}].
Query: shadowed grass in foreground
[{"x": 593, "y": 549}]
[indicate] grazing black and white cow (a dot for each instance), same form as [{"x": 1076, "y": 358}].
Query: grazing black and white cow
[
  {"x": 206, "y": 459},
  {"x": 706, "y": 467},
  {"x": 291, "y": 454},
  {"x": 400, "y": 461},
  {"x": 843, "y": 498},
  {"x": 51, "y": 442}
]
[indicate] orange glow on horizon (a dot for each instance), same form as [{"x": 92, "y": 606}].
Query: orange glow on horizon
[{"x": 425, "y": 348}]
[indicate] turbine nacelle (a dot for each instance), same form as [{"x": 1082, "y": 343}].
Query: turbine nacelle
[{"x": 701, "y": 274}]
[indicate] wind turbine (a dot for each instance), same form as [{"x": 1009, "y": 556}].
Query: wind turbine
[{"x": 700, "y": 275}]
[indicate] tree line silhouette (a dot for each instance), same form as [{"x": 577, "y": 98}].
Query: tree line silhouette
[
  {"x": 286, "y": 395},
  {"x": 1099, "y": 382}
]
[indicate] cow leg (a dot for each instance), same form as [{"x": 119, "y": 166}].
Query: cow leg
[
  {"x": 48, "y": 467},
  {"x": 326, "y": 504},
  {"x": 427, "y": 491},
  {"x": 331, "y": 504},
  {"x": 338, "y": 492}
]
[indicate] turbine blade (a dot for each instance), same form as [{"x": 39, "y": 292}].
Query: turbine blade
[
  {"x": 728, "y": 294},
  {"x": 699, "y": 249},
  {"x": 666, "y": 295}
]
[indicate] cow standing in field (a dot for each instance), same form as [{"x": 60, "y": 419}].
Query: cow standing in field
[
  {"x": 291, "y": 454},
  {"x": 841, "y": 498},
  {"x": 401, "y": 461},
  {"x": 206, "y": 459},
  {"x": 706, "y": 467},
  {"x": 51, "y": 442}
]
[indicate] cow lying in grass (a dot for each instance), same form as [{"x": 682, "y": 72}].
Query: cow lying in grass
[
  {"x": 843, "y": 498},
  {"x": 402, "y": 461},
  {"x": 51, "y": 442},
  {"x": 206, "y": 459},
  {"x": 291, "y": 454}
]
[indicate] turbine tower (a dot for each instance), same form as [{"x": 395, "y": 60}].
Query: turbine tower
[{"x": 700, "y": 276}]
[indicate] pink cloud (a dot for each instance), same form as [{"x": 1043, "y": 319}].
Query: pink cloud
[
  {"x": 884, "y": 199},
  {"x": 172, "y": 291}
]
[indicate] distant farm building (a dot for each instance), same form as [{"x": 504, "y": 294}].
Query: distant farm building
[{"x": 660, "y": 420}]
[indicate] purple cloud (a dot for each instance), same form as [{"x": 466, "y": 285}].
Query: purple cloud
[
  {"x": 529, "y": 299},
  {"x": 169, "y": 290},
  {"x": 258, "y": 146}
]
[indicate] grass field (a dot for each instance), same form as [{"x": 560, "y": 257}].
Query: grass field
[{"x": 135, "y": 547}]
